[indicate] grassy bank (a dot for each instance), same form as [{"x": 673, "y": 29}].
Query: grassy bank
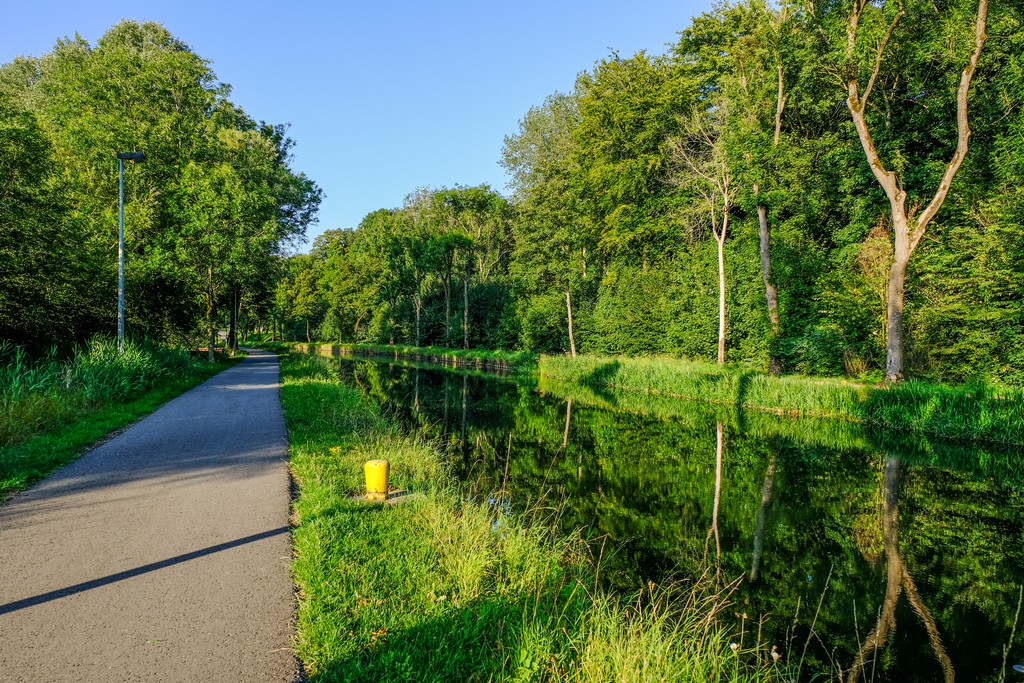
[
  {"x": 51, "y": 410},
  {"x": 442, "y": 588},
  {"x": 971, "y": 412}
]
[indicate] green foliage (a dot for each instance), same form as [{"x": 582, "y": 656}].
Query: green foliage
[{"x": 205, "y": 214}]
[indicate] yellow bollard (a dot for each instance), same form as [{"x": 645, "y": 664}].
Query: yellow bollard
[{"x": 377, "y": 479}]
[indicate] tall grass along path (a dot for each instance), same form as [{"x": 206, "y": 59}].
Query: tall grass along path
[{"x": 164, "y": 553}]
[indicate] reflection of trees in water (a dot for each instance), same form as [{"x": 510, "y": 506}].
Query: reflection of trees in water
[{"x": 898, "y": 579}]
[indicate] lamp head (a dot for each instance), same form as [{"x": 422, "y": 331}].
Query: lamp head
[{"x": 131, "y": 156}]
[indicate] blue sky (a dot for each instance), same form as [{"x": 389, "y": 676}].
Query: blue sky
[{"x": 384, "y": 97}]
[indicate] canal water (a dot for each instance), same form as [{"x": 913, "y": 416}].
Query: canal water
[{"x": 882, "y": 556}]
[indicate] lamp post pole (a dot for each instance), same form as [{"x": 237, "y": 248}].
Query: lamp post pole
[
  {"x": 120, "y": 254},
  {"x": 133, "y": 157}
]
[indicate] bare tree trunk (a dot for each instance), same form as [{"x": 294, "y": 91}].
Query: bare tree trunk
[
  {"x": 391, "y": 321},
  {"x": 721, "y": 294},
  {"x": 568, "y": 419},
  {"x": 419, "y": 305},
  {"x": 771, "y": 293},
  {"x": 308, "y": 340},
  {"x": 764, "y": 234},
  {"x": 572, "y": 339},
  {"x": 894, "y": 314},
  {"x": 447, "y": 313},
  {"x": 465, "y": 313}
]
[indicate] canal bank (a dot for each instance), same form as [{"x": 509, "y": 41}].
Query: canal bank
[
  {"x": 798, "y": 508},
  {"x": 450, "y": 587}
]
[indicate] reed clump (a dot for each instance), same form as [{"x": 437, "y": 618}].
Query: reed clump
[
  {"x": 38, "y": 395},
  {"x": 51, "y": 408}
]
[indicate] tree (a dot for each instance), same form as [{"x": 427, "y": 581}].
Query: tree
[
  {"x": 908, "y": 223},
  {"x": 210, "y": 201},
  {"x": 704, "y": 171},
  {"x": 552, "y": 243},
  {"x": 478, "y": 217}
]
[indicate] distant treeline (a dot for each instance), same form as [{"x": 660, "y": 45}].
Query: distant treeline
[
  {"x": 206, "y": 214},
  {"x": 809, "y": 152}
]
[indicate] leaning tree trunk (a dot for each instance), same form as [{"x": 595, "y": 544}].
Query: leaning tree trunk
[
  {"x": 447, "y": 286},
  {"x": 771, "y": 293}
]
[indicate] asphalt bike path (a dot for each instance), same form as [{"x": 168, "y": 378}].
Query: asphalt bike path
[{"x": 163, "y": 554}]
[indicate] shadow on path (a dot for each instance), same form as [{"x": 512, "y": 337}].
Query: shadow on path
[{"x": 129, "y": 573}]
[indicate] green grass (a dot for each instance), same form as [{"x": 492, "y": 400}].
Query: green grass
[
  {"x": 51, "y": 410},
  {"x": 971, "y": 412},
  {"x": 440, "y": 588}
]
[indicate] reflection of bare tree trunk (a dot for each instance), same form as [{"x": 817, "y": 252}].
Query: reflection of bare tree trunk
[
  {"x": 416, "y": 392},
  {"x": 713, "y": 530},
  {"x": 897, "y": 579},
  {"x": 463, "y": 438},
  {"x": 465, "y": 394},
  {"x": 762, "y": 514},
  {"x": 568, "y": 417},
  {"x": 445, "y": 423}
]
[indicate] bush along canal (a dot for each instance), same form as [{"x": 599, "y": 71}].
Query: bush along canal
[{"x": 569, "y": 532}]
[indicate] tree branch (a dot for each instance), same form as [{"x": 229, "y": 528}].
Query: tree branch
[
  {"x": 962, "y": 129},
  {"x": 878, "y": 56}
]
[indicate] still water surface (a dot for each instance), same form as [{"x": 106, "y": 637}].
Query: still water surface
[{"x": 885, "y": 557}]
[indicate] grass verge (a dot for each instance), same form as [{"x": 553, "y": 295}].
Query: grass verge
[
  {"x": 441, "y": 588},
  {"x": 51, "y": 411},
  {"x": 970, "y": 412}
]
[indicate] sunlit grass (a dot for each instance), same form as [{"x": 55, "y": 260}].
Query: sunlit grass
[
  {"x": 970, "y": 412},
  {"x": 443, "y": 588}
]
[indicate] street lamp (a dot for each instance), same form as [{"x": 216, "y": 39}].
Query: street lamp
[{"x": 121, "y": 157}]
